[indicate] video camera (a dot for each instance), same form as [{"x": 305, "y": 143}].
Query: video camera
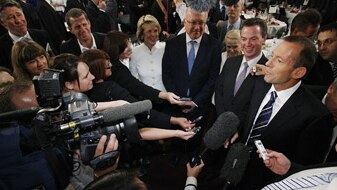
[{"x": 72, "y": 118}]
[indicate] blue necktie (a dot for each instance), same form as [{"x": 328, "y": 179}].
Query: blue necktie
[
  {"x": 230, "y": 27},
  {"x": 190, "y": 60},
  {"x": 262, "y": 120}
]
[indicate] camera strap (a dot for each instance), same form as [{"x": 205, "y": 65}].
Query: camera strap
[{"x": 62, "y": 178}]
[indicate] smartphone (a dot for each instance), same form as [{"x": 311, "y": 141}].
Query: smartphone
[
  {"x": 184, "y": 99},
  {"x": 260, "y": 147},
  {"x": 197, "y": 119},
  {"x": 195, "y": 129}
]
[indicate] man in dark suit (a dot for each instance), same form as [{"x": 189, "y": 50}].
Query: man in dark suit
[
  {"x": 100, "y": 20},
  {"x": 13, "y": 19},
  {"x": 281, "y": 112},
  {"x": 194, "y": 79},
  {"x": 234, "y": 8},
  {"x": 80, "y": 26},
  {"x": 325, "y": 68},
  {"x": 230, "y": 95},
  {"x": 52, "y": 23}
]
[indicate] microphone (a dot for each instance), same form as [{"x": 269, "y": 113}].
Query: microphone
[
  {"x": 126, "y": 111},
  {"x": 223, "y": 128},
  {"x": 235, "y": 165},
  {"x": 24, "y": 114}
]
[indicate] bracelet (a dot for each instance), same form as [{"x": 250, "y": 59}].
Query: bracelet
[{"x": 191, "y": 185}]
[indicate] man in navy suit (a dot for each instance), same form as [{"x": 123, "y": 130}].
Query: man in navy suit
[
  {"x": 197, "y": 80},
  {"x": 291, "y": 111},
  {"x": 13, "y": 19},
  {"x": 80, "y": 25},
  {"x": 229, "y": 95}
]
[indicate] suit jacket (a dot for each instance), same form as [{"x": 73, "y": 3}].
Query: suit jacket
[
  {"x": 39, "y": 36},
  {"x": 224, "y": 89},
  {"x": 72, "y": 46},
  {"x": 52, "y": 23},
  {"x": 205, "y": 70},
  {"x": 100, "y": 21},
  {"x": 294, "y": 131},
  {"x": 321, "y": 74},
  {"x": 222, "y": 30},
  {"x": 81, "y": 4},
  {"x": 122, "y": 76}
]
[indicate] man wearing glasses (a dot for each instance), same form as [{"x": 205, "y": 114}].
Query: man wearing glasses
[
  {"x": 325, "y": 70},
  {"x": 191, "y": 63}
]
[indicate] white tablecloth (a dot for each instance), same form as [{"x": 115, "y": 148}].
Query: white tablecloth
[{"x": 276, "y": 27}]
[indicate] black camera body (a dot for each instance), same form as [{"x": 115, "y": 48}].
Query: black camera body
[{"x": 77, "y": 123}]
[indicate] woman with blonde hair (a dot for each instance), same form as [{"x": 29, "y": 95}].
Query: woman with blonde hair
[
  {"x": 146, "y": 58},
  {"x": 232, "y": 43},
  {"x": 29, "y": 59}
]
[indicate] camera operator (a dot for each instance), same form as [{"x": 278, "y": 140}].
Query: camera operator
[
  {"x": 22, "y": 159},
  {"x": 23, "y": 164}
]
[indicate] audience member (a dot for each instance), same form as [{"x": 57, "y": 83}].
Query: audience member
[
  {"x": 325, "y": 69},
  {"x": 234, "y": 85},
  {"x": 80, "y": 25},
  {"x": 115, "y": 44},
  {"x": 284, "y": 126},
  {"x": 99, "y": 19},
  {"x": 29, "y": 59},
  {"x": 13, "y": 19},
  {"x": 145, "y": 63},
  {"x": 232, "y": 44},
  {"x": 52, "y": 23},
  {"x": 304, "y": 24},
  {"x": 234, "y": 8},
  {"x": 191, "y": 64},
  {"x": 5, "y": 76}
]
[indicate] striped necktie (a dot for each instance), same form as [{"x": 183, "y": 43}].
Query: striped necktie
[
  {"x": 302, "y": 182},
  {"x": 262, "y": 120}
]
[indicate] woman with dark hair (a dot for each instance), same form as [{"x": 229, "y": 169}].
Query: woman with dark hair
[
  {"x": 100, "y": 66},
  {"x": 77, "y": 78},
  {"x": 28, "y": 59}
]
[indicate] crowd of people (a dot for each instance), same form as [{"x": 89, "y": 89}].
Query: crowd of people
[{"x": 189, "y": 58}]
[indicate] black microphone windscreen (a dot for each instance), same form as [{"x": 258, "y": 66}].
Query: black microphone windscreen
[
  {"x": 235, "y": 163},
  {"x": 126, "y": 111},
  {"x": 223, "y": 128}
]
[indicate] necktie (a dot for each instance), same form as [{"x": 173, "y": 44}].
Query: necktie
[
  {"x": 334, "y": 70},
  {"x": 223, "y": 12},
  {"x": 241, "y": 77},
  {"x": 230, "y": 27},
  {"x": 190, "y": 60},
  {"x": 302, "y": 182},
  {"x": 262, "y": 120}
]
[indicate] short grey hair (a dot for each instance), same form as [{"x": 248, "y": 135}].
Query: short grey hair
[{"x": 199, "y": 5}]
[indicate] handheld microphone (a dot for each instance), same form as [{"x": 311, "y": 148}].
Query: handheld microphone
[
  {"x": 235, "y": 165},
  {"x": 223, "y": 128},
  {"x": 126, "y": 111}
]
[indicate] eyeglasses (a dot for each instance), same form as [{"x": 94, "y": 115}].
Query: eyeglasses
[
  {"x": 326, "y": 42},
  {"x": 196, "y": 23}
]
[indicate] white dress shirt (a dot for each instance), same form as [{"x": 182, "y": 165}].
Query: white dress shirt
[
  {"x": 146, "y": 64},
  {"x": 18, "y": 38},
  {"x": 83, "y": 49}
]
